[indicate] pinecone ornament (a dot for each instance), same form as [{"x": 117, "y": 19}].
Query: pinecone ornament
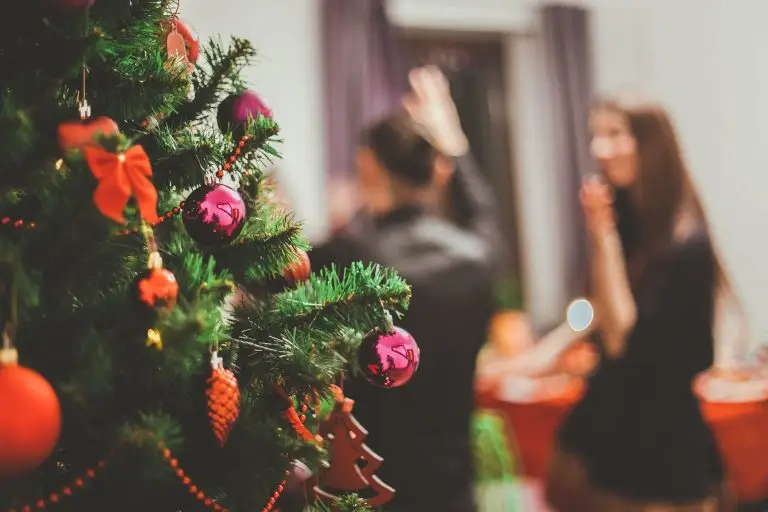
[{"x": 223, "y": 399}]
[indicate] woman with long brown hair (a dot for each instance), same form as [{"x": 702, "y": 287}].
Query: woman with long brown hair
[{"x": 637, "y": 440}]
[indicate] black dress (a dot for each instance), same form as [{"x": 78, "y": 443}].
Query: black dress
[{"x": 639, "y": 429}]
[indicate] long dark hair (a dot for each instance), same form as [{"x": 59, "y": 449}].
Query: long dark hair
[
  {"x": 663, "y": 197},
  {"x": 663, "y": 193}
]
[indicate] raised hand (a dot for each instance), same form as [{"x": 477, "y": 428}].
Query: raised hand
[
  {"x": 597, "y": 203},
  {"x": 431, "y": 106}
]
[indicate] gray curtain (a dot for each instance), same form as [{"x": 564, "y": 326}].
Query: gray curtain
[
  {"x": 363, "y": 76},
  {"x": 568, "y": 49}
]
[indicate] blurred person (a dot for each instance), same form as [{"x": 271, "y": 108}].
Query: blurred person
[
  {"x": 637, "y": 440},
  {"x": 406, "y": 161}
]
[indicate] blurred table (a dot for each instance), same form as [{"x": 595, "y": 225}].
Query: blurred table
[{"x": 534, "y": 407}]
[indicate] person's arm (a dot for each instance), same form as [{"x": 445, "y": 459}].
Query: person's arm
[
  {"x": 615, "y": 302},
  {"x": 538, "y": 358},
  {"x": 475, "y": 201},
  {"x": 430, "y": 105}
]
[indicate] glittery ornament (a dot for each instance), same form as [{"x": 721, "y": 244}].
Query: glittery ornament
[
  {"x": 30, "y": 416},
  {"x": 214, "y": 215},
  {"x": 236, "y": 110},
  {"x": 389, "y": 360},
  {"x": 223, "y": 399}
]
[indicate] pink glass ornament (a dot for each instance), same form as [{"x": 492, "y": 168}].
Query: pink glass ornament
[
  {"x": 214, "y": 215},
  {"x": 389, "y": 360}
]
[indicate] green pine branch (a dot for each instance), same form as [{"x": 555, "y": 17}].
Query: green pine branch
[
  {"x": 265, "y": 247},
  {"x": 346, "y": 503},
  {"x": 326, "y": 300},
  {"x": 302, "y": 336},
  {"x": 221, "y": 77},
  {"x": 16, "y": 131},
  {"x": 181, "y": 158}
]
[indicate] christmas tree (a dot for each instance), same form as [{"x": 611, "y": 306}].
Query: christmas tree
[{"x": 164, "y": 345}]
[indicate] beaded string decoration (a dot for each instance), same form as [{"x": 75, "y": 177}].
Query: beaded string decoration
[
  {"x": 203, "y": 498},
  {"x": 68, "y": 490},
  {"x": 176, "y": 210},
  {"x": 226, "y": 168},
  {"x": 17, "y": 223}
]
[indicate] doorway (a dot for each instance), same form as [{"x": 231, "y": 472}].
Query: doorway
[{"x": 474, "y": 66}]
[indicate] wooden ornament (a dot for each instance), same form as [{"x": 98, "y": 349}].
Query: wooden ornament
[
  {"x": 344, "y": 474},
  {"x": 223, "y": 399}
]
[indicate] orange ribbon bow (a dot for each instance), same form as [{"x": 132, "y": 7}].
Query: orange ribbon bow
[{"x": 121, "y": 175}]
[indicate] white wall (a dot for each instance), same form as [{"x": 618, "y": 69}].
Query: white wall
[
  {"x": 707, "y": 61},
  {"x": 286, "y": 33}
]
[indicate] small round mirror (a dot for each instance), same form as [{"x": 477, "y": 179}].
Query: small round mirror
[{"x": 580, "y": 315}]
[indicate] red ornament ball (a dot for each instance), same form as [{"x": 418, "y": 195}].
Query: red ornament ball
[
  {"x": 299, "y": 270},
  {"x": 214, "y": 215},
  {"x": 30, "y": 418},
  {"x": 389, "y": 360}
]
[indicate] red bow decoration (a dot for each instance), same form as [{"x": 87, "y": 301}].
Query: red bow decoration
[{"x": 121, "y": 175}]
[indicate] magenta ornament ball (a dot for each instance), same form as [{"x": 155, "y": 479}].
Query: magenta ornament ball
[
  {"x": 235, "y": 111},
  {"x": 214, "y": 215},
  {"x": 389, "y": 360}
]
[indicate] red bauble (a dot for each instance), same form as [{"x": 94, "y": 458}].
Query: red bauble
[
  {"x": 78, "y": 134},
  {"x": 30, "y": 418},
  {"x": 299, "y": 271},
  {"x": 389, "y": 360},
  {"x": 223, "y": 400}
]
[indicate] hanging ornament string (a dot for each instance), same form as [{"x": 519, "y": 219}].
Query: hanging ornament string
[
  {"x": 82, "y": 103},
  {"x": 154, "y": 259},
  {"x": 9, "y": 355}
]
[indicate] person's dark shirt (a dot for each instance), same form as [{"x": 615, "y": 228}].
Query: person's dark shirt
[
  {"x": 422, "y": 429},
  {"x": 639, "y": 428}
]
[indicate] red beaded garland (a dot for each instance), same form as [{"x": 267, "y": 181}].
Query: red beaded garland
[
  {"x": 176, "y": 210},
  {"x": 201, "y": 496},
  {"x": 66, "y": 491},
  {"x": 17, "y": 223}
]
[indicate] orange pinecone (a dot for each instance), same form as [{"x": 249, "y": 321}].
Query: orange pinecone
[{"x": 223, "y": 402}]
